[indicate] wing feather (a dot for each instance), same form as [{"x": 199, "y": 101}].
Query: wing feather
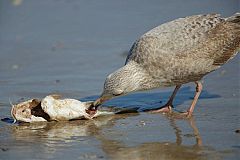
[{"x": 199, "y": 36}]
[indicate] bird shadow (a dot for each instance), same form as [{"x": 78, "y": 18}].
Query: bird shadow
[
  {"x": 151, "y": 100},
  {"x": 142, "y": 101}
]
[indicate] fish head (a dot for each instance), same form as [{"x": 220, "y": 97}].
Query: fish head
[{"x": 23, "y": 111}]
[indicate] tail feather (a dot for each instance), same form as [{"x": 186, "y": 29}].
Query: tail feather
[{"x": 234, "y": 18}]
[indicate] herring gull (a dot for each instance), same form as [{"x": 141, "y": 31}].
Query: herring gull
[{"x": 175, "y": 53}]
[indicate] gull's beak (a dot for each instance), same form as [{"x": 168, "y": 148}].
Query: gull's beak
[{"x": 98, "y": 102}]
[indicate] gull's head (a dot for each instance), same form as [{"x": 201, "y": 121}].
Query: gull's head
[{"x": 123, "y": 81}]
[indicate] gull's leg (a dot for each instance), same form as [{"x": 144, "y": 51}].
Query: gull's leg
[
  {"x": 197, "y": 94},
  {"x": 168, "y": 106}
]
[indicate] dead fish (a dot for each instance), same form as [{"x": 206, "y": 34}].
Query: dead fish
[{"x": 52, "y": 107}]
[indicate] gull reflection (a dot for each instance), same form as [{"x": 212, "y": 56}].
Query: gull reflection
[
  {"x": 178, "y": 132},
  {"x": 158, "y": 150}
]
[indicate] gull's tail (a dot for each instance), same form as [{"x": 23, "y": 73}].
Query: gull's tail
[{"x": 234, "y": 18}]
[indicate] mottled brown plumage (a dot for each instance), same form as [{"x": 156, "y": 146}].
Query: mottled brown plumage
[
  {"x": 186, "y": 49},
  {"x": 175, "y": 53}
]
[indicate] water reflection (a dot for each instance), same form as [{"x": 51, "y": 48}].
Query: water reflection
[
  {"x": 64, "y": 134},
  {"x": 158, "y": 150},
  {"x": 178, "y": 132},
  {"x": 60, "y": 131}
]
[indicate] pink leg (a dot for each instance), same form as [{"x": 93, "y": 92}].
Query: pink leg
[
  {"x": 197, "y": 94},
  {"x": 168, "y": 106}
]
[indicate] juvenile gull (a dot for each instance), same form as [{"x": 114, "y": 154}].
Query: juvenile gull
[{"x": 175, "y": 53}]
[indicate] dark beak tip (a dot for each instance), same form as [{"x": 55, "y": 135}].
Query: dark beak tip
[
  {"x": 94, "y": 105},
  {"x": 91, "y": 107}
]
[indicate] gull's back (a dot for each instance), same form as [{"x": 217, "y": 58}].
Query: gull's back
[{"x": 186, "y": 49}]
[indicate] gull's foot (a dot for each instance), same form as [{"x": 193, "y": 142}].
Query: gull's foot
[
  {"x": 164, "y": 109},
  {"x": 187, "y": 114},
  {"x": 167, "y": 109}
]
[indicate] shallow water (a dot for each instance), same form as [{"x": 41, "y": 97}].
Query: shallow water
[{"x": 70, "y": 46}]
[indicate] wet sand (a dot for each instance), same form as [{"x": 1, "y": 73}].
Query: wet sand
[{"x": 69, "y": 47}]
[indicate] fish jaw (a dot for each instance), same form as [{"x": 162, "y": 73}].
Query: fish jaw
[{"x": 26, "y": 116}]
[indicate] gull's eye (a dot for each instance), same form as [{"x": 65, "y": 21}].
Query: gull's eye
[{"x": 117, "y": 92}]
